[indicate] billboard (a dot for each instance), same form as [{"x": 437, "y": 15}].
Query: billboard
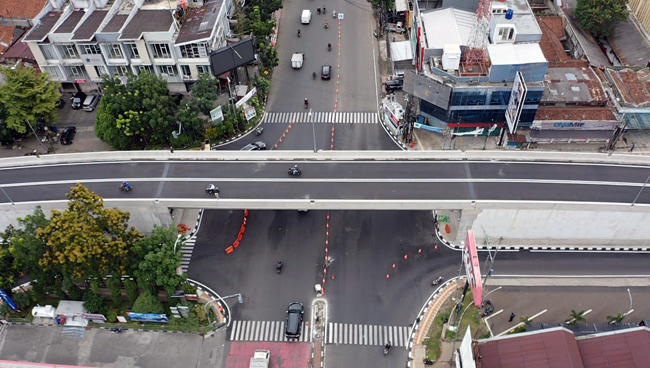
[
  {"x": 472, "y": 269},
  {"x": 147, "y": 317},
  {"x": 232, "y": 56},
  {"x": 7, "y": 299},
  {"x": 516, "y": 103}
]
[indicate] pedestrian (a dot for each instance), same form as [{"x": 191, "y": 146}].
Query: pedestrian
[
  {"x": 632, "y": 148},
  {"x": 512, "y": 316}
]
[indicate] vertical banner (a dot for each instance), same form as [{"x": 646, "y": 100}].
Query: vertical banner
[
  {"x": 516, "y": 103},
  {"x": 472, "y": 269}
]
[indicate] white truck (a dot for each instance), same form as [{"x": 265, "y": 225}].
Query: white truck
[
  {"x": 260, "y": 359},
  {"x": 297, "y": 59}
]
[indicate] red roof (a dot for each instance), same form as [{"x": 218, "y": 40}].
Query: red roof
[
  {"x": 552, "y": 348},
  {"x": 624, "y": 349}
]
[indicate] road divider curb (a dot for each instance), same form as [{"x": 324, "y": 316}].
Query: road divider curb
[{"x": 240, "y": 236}]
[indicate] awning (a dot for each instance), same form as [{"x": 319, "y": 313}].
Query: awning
[
  {"x": 401, "y": 51},
  {"x": 400, "y": 5}
]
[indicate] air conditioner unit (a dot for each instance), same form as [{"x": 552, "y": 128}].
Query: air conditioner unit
[
  {"x": 164, "y": 75},
  {"x": 187, "y": 77}
]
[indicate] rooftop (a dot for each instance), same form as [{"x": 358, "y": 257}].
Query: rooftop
[
  {"x": 87, "y": 29},
  {"x": 554, "y": 348},
  {"x": 6, "y": 36},
  {"x": 199, "y": 23},
  {"x": 447, "y": 26},
  {"x": 21, "y": 9},
  {"x": 147, "y": 20},
  {"x": 631, "y": 92},
  {"x": 19, "y": 50},
  {"x": 523, "y": 17},
  {"x": 574, "y": 113},
  {"x": 625, "y": 348},
  {"x": 551, "y": 43},
  {"x": 572, "y": 86},
  {"x": 70, "y": 22},
  {"x": 515, "y": 54},
  {"x": 44, "y": 26},
  {"x": 115, "y": 24}
]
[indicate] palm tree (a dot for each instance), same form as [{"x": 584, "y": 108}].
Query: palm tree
[
  {"x": 618, "y": 318},
  {"x": 526, "y": 320},
  {"x": 576, "y": 317}
]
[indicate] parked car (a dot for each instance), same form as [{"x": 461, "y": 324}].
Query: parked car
[
  {"x": 90, "y": 103},
  {"x": 77, "y": 100},
  {"x": 326, "y": 72},
  {"x": 393, "y": 84},
  {"x": 398, "y": 27},
  {"x": 293, "y": 326},
  {"x": 67, "y": 136},
  {"x": 255, "y": 146}
]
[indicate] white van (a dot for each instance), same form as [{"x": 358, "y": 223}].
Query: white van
[
  {"x": 306, "y": 16},
  {"x": 90, "y": 103}
]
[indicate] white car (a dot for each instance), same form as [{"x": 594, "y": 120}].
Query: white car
[{"x": 306, "y": 16}]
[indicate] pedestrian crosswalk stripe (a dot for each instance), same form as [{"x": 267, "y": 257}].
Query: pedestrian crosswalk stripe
[
  {"x": 321, "y": 117},
  {"x": 373, "y": 335},
  {"x": 264, "y": 331}
]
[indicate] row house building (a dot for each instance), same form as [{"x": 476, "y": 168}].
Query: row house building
[{"x": 78, "y": 41}]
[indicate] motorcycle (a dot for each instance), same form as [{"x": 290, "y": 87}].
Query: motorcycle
[
  {"x": 387, "y": 349},
  {"x": 298, "y": 33},
  {"x": 329, "y": 47},
  {"x": 334, "y": 13},
  {"x": 439, "y": 280},
  {"x": 318, "y": 11},
  {"x": 116, "y": 330},
  {"x": 313, "y": 75},
  {"x": 323, "y": 9},
  {"x": 211, "y": 189},
  {"x": 326, "y": 25},
  {"x": 487, "y": 311},
  {"x": 278, "y": 267},
  {"x": 307, "y": 102},
  {"x": 259, "y": 131},
  {"x": 125, "y": 188},
  {"x": 295, "y": 171}
]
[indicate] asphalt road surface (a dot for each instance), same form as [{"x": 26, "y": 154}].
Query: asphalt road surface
[{"x": 336, "y": 180}]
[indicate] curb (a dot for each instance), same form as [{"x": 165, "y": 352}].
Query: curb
[
  {"x": 242, "y": 135},
  {"x": 223, "y": 306},
  {"x": 427, "y": 314}
]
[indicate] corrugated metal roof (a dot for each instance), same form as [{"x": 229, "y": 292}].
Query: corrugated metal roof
[
  {"x": 45, "y": 24},
  {"x": 553, "y": 348},
  {"x": 401, "y": 51},
  {"x": 447, "y": 26},
  {"x": 625, "y": 348},
  {"x": 515, "y": 54},
  {"x": 147, "y": 20}
]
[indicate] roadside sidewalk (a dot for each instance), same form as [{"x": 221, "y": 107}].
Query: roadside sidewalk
[{"x": 417, "y": 354}]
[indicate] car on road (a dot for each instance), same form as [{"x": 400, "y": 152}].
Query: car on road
[
  {"x": 293, "y": 327},
  {"x": 326, "y": 72},
  {"x": 393, "y": 84},
  {"x": 255, "y": 146},
  {"x": 77, "y": 100},
  {"x": 67, "y": 136}
]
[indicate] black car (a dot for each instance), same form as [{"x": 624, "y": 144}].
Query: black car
[
  {"x": 78, "y": 100},
  {"x": 293, "y": 326},
  {"x": 393, "y": 84},
  {"x": 326, "y": 72},
  {"x": 67, "y": 136}
]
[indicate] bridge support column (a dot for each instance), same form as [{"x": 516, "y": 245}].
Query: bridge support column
[{"x": 467, "y": 218}]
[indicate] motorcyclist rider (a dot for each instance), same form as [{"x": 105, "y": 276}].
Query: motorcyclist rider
[
  {"x": 329, "y": 46},
  {"x": 307, "y": 102},
  {"x": 125, "y": 186},
  {"x": 298, "y": 33},
  {"x": 318, "y": 10},
  {"x": 326, "y": 24}
]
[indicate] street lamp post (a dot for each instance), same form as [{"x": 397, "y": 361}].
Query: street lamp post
[
  {"x": 175, "y": 243},
  {"x": 313, "y": 129},
  {"x": 630, "y": 310}
]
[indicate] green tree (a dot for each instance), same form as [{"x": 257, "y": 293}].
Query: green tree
[
  {"x": 261, "y": 28},
  {"x": 617, "y": 318},
  {"x": 526, "y": 320},
  {"x": 576, "y": 317},
  {"x": 263, "y": 86},
  {"x": 131, "y": 289},
  {"x": 266, "y": 8},
  {"x": 268, "y": 54},
  {"x": 114, "y": 287},
  {"x": 148, "y": 303},
  {"x": 21, "y": 300},
  {"x": 93, "y": 301},
  {"x": 88, "y": 240},
  {"x": 188, "y": 117},
  {"x": 157, "y": 261},
  {"x": 382, "y": 4},
  {"x": 599, "y": 17},
  {"x": 108, "y": 131},
  {"x": 204, "y": 91},
  {"x": 26, "y": 96}
]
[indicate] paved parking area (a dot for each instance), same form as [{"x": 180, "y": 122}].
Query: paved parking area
[{"x": 553, "y": 304}]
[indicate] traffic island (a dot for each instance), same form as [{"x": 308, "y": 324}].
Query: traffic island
[{"x": 319, "y": 323}]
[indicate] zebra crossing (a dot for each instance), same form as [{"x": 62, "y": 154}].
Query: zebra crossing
[
  {"x": 186, "y": 251},
  {"x": 375, "y": 335},
  {"x": 264, "y": 331},
  {"x": 337, "y": 333},
  {"x": 73, "y": 332},
  {"x": 321, "y": 117}
]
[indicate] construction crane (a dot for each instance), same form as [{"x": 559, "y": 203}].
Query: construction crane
[{"x": 473, "y": 60}]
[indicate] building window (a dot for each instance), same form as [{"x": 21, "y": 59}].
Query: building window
[
  {"x": 101, "y": 70},
  {"x": 168, "y": 70},
  {"x": 122, "y": 70},
  {"x": 133, "y": 50},
  {"x": 185, "y": 69},
  {"x": 69, "y": 52},
  {"x": 48, "y": 52},
  {"x": 203, "y": 69},
  {"x": 145, "y": 69},
  {"x": 194, "y": 51},
  {"x": 90, "y": 50},
  {"x": 53, "y": 71},
  {"x": 161, "y": 51},
  {"x": 466, "y": 98},
  {"x": 115, "y": 51},
  {"x": 76, "y": 71}
]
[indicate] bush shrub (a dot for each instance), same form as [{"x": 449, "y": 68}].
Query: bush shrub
[
  {"x": 148, "y": 303},
  {"x": 131, "y": 289},
  {"x": 93, "y": 301}
]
